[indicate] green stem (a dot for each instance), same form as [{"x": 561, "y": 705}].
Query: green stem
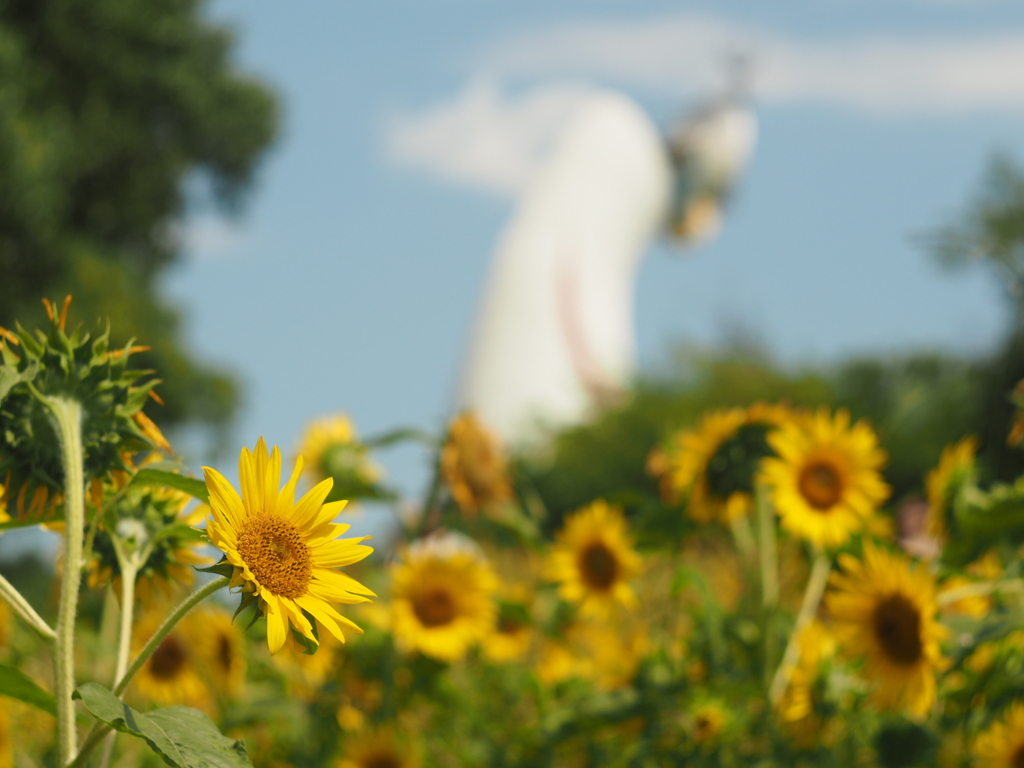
[
  {"x": 94, "y": 738},
  {"x": 769, "y": 551},
  {"x": 66, "y": 416},
  {"x": 430, "y": 516},
  {"x": 99, "y": 730},
  {"x": 808, "y": 608},
  {"x": 24, "y": 609},
  {"x": 744, "y": 540},
  {"x": 107, "y": 635},
  {"x": 165, "y": 629},
  {"x": 124, "y": 635}
]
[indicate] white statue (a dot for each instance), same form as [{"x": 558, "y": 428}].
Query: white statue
[{"x": 555, "y": 336}]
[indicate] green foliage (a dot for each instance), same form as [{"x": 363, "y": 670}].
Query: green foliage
[
  {"x": 106, "y": 108},
  {"x": 17, "y": 685},
  {"x": 183, "y": 737},
  {"x": 991, "y": 232}
]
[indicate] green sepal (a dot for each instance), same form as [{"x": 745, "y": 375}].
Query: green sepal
[
  {"x": 309, "y": 647},
  {"x": 247, "y": 599},
  {"x": 182, "y": 736},
  {"x": 17, "y": 685},
  {"x": 9, "y": 377},
  {"x": 221, "y": 568}
]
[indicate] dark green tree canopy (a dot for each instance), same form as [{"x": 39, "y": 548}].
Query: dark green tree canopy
[{"x": 106, "y": 108}]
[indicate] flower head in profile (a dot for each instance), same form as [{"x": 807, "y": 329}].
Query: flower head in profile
[
  {"x": 956, "y": 467},
  {"x": 74, "y": 366},
  {"x": 715, "y": 463},
  {"x": 826, "y": 481},
  {"x": 285, "y": 553},
  {"x": 474, "y": 465},
  {"x": 330, "y": 447},
  {"x": 593, "y": 559},
  {"x": 156, "y": 520},
  {"x": 1002, "y": 744},
  {"x": 442, "y": 597},
  {"x": 884, "y": 611}
]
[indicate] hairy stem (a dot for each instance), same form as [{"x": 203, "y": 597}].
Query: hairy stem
[
  {"x": 812, "y": 598},
  {"x": 24, "y": 609},
  {"x": 66, "y": 415}
]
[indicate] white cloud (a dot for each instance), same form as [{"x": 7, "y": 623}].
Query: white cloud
[
  {"x": 482, "y": 138},
  {"x": 486, "y": 139},
  {"x": 683, "y": 53},
  {"x": 207, "y": 237}
]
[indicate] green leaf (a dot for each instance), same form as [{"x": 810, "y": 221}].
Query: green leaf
[
  {"x": 17, "y": 685},
  {"x": 10, "y": 377},
  {"x": 182, "y": 736},
  {"x": 164, "y": 479},
  {"x": 400, "y": 436}
]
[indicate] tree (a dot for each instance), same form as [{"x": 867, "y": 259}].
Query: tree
[
  {"x": 991, "y": 230},
  {"x": 107, "y": 108}
]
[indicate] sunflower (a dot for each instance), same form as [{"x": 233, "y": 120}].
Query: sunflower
[
  {"x": 1002, "y": 744},
  {"x": 825, "y": 482},
  {"x": 222, "y": 649},
  {"x": 330, "y": 448},
  {"x": 593, "y": 559},
  {"x": 885, "y": 610},
  {"x": 512, "y": 635},
  {"x": 607, "y": 655},
  {"x": 800, "y": 704},
  {"x": 283, "y": 552},
  {"x": 174, "y": 674},
  {"x": 716, "y": 462},
  {"x": 442, "y": 597},
  {"x": 379, "y": 749},
  {"x": 707, "y": 723},
  {"x": 474, "y": 466},
  {"x": 956, "y": 467}
]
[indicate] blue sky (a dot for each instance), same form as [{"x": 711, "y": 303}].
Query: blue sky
[{"x": 351, "y": 281}]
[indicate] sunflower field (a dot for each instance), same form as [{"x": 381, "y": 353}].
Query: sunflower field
[{"x": 756, "y": 598}]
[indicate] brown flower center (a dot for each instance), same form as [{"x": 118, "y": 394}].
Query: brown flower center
[
  {"x": 168, "y": 659},
  {"x": 225, "y": 653},
  {"x": 382, "y": 760},
  {"x": 820, "y": 485},
  {"x": 276, "y": 554},
  {"x": 1018, "y": 757},
  {"x": 898, "y": 629},
  {"x": 598, "y": 566},
  {"x": 434, "y": 608},
  {"x": 509, "y": 626}
]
